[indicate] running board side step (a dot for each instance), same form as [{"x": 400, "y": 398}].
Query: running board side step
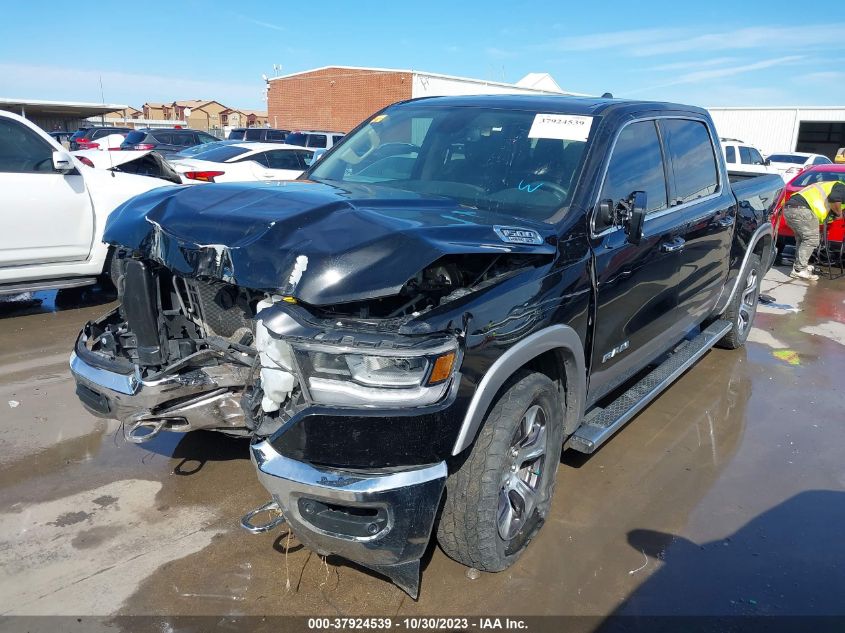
[{"x": 600, "y": 427}]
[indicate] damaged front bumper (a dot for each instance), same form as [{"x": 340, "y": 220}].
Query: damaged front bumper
[
  {"x": 185, "y": 400},
  {"x": 381, "y": 519}
]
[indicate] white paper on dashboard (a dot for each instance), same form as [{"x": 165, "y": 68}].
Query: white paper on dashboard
[{"x": 566, "y": 127}]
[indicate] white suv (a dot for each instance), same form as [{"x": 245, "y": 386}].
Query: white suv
[
  {"x": 54, "y": 208},
  {"x": 744, "y": 158},
  {"x": 313, "y": 139}
]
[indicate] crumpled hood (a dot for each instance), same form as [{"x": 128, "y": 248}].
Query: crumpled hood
[{"x": 319, "y": 243}]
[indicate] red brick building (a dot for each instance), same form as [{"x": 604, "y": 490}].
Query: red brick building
[{"x": 337, "y": 98}]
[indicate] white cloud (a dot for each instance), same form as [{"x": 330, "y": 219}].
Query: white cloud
[
  {"x": 63, "y": 83},
  {"x": 690, "y": 65},
  {"x": 615, "y": 39},
  {"x": 824, "y": 76},
  {"x": 649, "y": 42},
  {"x": 720, "y": 73},
  {"x": 266, "y": 25}
]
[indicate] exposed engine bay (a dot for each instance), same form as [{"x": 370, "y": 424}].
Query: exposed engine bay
[
  {"x": 210, "y": 337},
  {"x": 447, "y": 279}
]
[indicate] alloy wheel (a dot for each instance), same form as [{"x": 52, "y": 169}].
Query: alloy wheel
[
  {"x": 748, "y": 302},
  {"x": 519, "y": 491}
]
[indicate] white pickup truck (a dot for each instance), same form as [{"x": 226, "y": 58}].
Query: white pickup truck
[{"x": 54, "y": 208}]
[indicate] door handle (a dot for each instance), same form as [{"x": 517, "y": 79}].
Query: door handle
[
  {"x": 726, "y": 221},
  {"x": 673, "y": 246}
]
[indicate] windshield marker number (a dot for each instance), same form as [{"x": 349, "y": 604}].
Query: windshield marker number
[{"x": 566, "y": 127}]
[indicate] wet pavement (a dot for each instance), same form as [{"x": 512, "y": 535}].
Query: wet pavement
[{"x": 726, "y": 496}]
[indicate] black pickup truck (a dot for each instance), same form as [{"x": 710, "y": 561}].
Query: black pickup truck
[{"x": 413, "y": 331}]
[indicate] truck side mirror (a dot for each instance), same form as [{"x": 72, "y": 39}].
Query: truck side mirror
[
  {"x": 767, "y": 162},
  {"x": 606, "y": 217},
  {"x": 636, "y": 216}
]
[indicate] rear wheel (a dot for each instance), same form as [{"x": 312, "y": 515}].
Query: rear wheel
[
  {"x": 743, "y": 307},
  {"x": 499, "y": 497}
]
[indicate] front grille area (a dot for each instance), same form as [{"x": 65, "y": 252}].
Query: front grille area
[{"x": 220, "y": 309}]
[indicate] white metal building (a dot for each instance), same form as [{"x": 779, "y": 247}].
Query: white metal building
[
  {"x": 426, "y": 84},
  {"x": 820, "y": 130}
]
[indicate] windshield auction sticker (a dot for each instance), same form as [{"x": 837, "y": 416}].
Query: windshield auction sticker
[{"x": 566, "y": 127}]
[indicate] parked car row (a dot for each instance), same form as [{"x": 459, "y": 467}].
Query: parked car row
[
  {"x": 241, "y": 162},
  {"x": 745, "y": 160}
]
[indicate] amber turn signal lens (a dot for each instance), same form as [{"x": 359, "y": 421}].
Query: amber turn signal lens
[{"x": 442, "y": 368}]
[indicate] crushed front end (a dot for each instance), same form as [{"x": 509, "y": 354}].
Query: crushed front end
[
  {"x": 175, "y": 355},
  {"x": 362, "y": 418}
]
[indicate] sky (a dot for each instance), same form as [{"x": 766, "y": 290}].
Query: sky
[{"x": 712, "y": 53}]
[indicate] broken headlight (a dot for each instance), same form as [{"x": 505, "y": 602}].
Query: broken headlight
[{"x": 377, "y": 378}]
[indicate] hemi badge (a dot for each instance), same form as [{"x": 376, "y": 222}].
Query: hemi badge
[{"x": 517, "y": 235}]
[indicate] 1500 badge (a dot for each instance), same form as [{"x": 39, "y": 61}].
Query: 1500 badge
[{"x": 516, "y": 235}]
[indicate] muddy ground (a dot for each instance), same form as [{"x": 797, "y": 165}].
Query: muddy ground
[{"x": 726, "y": 496}]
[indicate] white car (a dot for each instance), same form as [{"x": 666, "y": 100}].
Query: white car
[
  {"x": 790, "y": 164},
  {"x": 239, "y": 162},
  {"x": 55, "y": 208},
  {"x": 744, "y": 158}
]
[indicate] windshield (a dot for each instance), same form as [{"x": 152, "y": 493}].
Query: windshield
[
  {"x": 518, "y": 162},
  {"x": 788, "y": 158},
  {"x": 812, "y": 177}
]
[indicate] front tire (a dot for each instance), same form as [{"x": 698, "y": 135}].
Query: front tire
[
  {"x": 499, "y": 497},
  {"x": 743, "y": 307}
]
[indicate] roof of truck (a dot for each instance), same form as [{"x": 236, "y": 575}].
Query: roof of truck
[{"x": 589, "y": 106}]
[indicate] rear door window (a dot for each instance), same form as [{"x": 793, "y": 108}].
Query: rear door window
[
  {"x": 636, "y": 165},
  {"x": 692, "y": 159},
  {"x": 730, "y": 154},
  {"x": 336, "y": 138},
  {"x": 275, "y": 135},
  {"x": 184, "y": 139},
  {"x": 284, "y": 159},
  {"x": 316, "y": 140},
  {"x": 260, "y": 158},
  {"x": 253, "y": 134},
  {"x": 165, "y": 138}
]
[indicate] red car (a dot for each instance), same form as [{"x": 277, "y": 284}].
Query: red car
[{"x": 814, "y": 174}]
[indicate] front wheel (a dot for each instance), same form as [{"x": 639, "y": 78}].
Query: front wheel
[
  {"x": 499, "y": 497},
  {"x": 743, "y": 307}
]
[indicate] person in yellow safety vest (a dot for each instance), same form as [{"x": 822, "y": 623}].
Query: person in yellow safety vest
[{"x": 804, "y": 211}]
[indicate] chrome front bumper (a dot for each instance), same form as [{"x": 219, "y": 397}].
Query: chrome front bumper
[
  {"x": 207, "y": 398},
  {"x": 381, "y": 520}
]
